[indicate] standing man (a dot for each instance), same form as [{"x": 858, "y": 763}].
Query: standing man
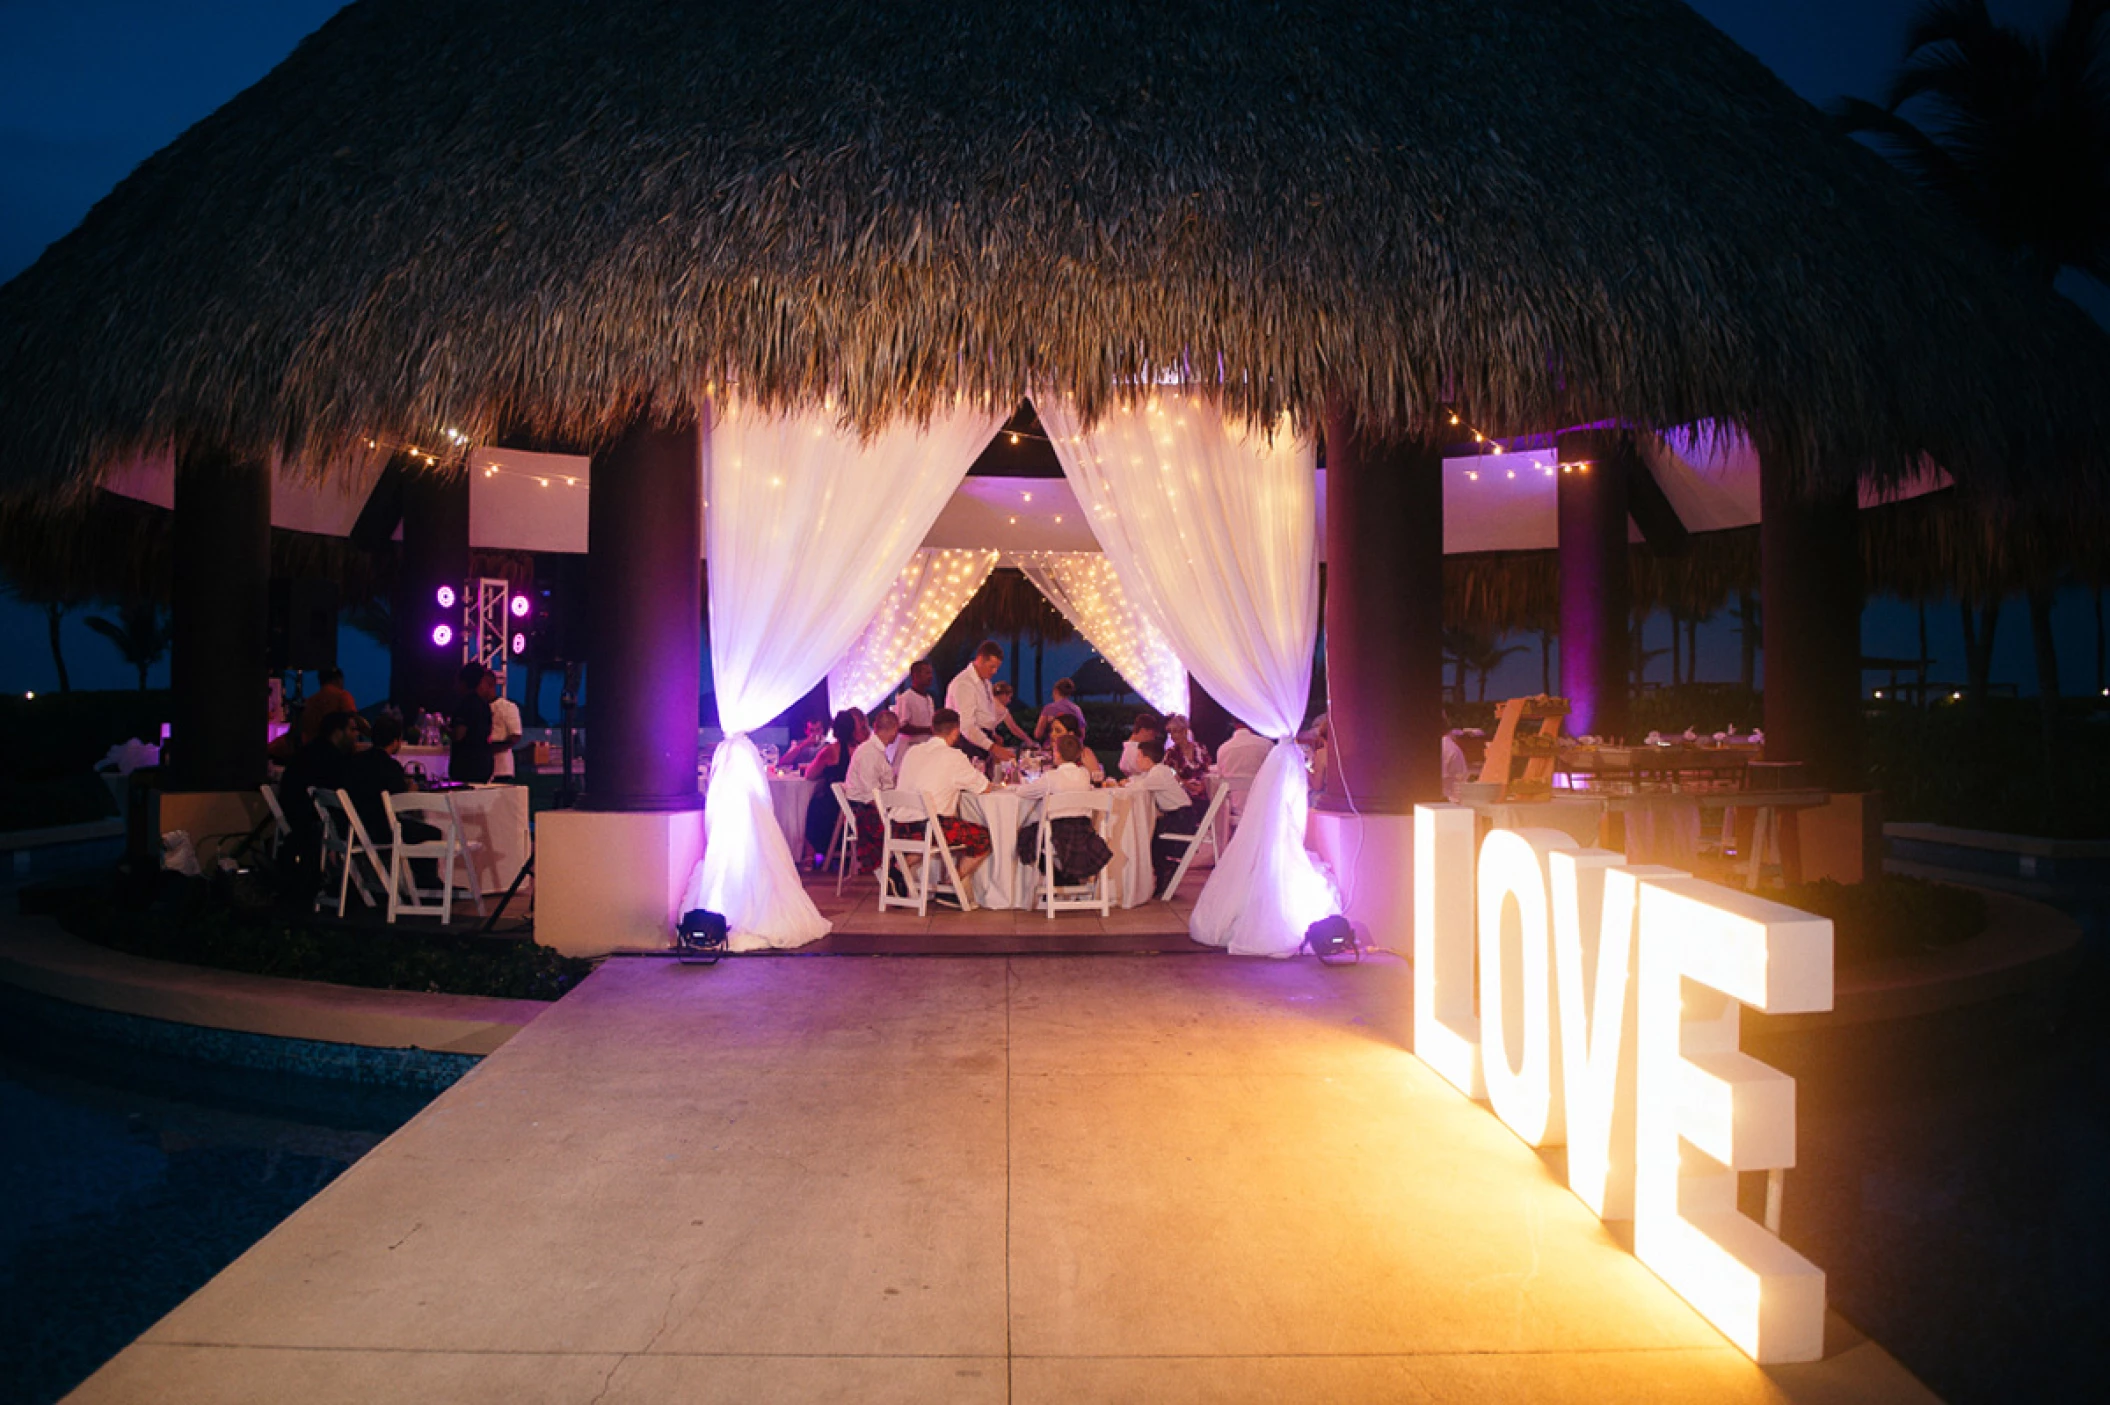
[
  {"x": 970, "y": 697},
  {"x": 914, "y": 707},
  {"x": 506, "y": 731},
  {"x": 331, "y": 697},
  {"x": 469, "y": 725}
]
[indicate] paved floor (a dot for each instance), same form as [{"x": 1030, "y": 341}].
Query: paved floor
[{"x": 1030, "y": 1179}]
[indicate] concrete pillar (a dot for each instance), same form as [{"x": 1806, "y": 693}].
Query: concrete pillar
[
  {"x": 1595, "y": 650},
  {"x": 221, "y": 602},
  {"x": 644, "y": 572},
  {"x": 1810, "y": 576},
  {"x": 435, "y": 553},
  {"x": 1384, "y": 620}
]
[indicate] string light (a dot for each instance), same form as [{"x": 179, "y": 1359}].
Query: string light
[
  {"x": 923, "y": 602},
  {"x": 1084, "y": 587}
]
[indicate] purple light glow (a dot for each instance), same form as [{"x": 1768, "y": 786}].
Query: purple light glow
[
  {"x": 446, "y": 597},
  {"x": 519, "y": 607},
  {"x": 520, "y": 643},
  {"x": 442, "y": 635}
]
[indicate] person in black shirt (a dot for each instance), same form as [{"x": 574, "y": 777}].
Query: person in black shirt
[
  {"x": 469, "y": 725},
  {"x": 319, "y": 764},
  {"x": 370, "y": 775}
]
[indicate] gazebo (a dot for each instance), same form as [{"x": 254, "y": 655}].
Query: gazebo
[{"x": 648, "y": 235}]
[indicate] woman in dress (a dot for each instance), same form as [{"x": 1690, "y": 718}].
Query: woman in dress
[
  {"x": 1188, "y": 758},
  {"x": 830, "y": 766},
  {"x": 1058, "y": 728}
]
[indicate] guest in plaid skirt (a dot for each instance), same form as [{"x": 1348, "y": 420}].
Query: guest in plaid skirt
[{"x": 939, "y": 771}]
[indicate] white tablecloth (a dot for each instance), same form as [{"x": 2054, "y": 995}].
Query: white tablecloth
[
  {"x": 789, "y": 795},
  {"x": 1000, "y": 883},
  {"x": 427, "y": 761},
  {"x": 495, "y": 816}
]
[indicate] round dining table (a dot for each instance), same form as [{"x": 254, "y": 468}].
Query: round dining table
[{"x": 1003, "y": 882}]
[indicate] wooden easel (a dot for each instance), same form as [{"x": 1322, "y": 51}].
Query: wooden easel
[{"x": 1538, "y": 747}]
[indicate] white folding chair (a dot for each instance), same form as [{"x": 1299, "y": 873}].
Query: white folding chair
[
  {"x": 1095, "y": 892},
  {"x": 913, "y": 831},
  {"x": 1236, "y": 789},
  {"x": 1205, "y": 832},
  {"x": 334, "y": 812},
  {"x": 281, "y": 831},
  {"x": 450, "y": 850},
  {"x": 848, "y": 844},
  {"x": 360, "y": 844}
]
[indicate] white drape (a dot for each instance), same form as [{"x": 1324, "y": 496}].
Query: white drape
[
  {"x": 925, "y": 599},
  {"x": 806, "y": 530},
  {"x": 1086, "y": 588},
  {"x": 1213, "y": 531}
]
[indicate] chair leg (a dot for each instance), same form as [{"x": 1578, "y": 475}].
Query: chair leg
[
  {"x": 344, "y": 884},
  {"x": 396, "y": 865}
]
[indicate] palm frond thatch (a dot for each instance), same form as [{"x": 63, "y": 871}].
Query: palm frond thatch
[{"x": 536, "y": 217}]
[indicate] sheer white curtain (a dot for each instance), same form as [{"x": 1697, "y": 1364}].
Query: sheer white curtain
[
  {"x": 806, "y": 528},
  {"x": 926, "y": 598},
  {"x": 1213, "y": 529},
  {"x": 1086, "y": 588}
]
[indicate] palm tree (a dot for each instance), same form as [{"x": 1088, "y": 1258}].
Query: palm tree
[
  {"x": 56, "y": 606},
  {"x": 1479, "y": 650},
  {"x": 138, "y": 632},
  {"x": 2011, "y": 134}
]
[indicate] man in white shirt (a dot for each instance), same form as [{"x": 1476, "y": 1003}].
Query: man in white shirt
[
  {"x": 914, "y": 708},
  {"x": 1146, "y": 728},
  {"x": 505, "y": 734},
  {"x": 938, "y": 770},
  {"x": 871, "y": 772},
  {"x": 968, "y": 696},
  {"x": 1176, "y": 814},
  {"x": 1240, "y": 757}
]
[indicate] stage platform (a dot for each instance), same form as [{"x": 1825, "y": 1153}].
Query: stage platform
[{"x": 923, "y": 1180}]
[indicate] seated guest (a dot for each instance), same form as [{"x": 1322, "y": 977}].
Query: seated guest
[
  {"x": 1060, "y": 727},
  {"x": 1080, "y": 851},
  {"x": 1188, "y": 758},
  {"x": 1319, "y": 737},
  {"x": 799, "y": 753},
  {"x": 1175, "y": 807},
  {"x": 938, "y": 770},
  {"x": 1147, "y": 728},
  {"x": 870, "y": 772},
  {"x": 1003, "y": 693},
  {"x": 830, "y": 764},
  {"x": 1062, "y": 705},
  {"x": 1241, "y": 756},
  {"x": 319, "y": 765},
  {"x": 469, "y": 725},
  {"x": 1456, "y": 769},
  {"x": 373, "y": 773}
]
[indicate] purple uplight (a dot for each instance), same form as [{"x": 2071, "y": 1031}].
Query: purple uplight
[
  {"x": 520, "y": 643},
  {"x": 519, "y": 607},
  {"x": 446, "y": 597},
  {"x": 442, "y": 635}
]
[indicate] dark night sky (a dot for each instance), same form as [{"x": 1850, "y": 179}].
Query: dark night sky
[{"x": 89, "y": 88}]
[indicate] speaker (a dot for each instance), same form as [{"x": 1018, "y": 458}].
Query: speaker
[{"x": 302, "y": 633}]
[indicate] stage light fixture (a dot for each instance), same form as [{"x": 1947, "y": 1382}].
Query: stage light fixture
[
  {"x": 446, "y": 596},
  {"x": 519, "y": 607},
  {"x": 442, "y": 635},
  {"x": 519, "y": 644}
]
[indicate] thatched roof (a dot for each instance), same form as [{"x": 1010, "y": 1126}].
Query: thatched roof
[{"x": 534, "y": 216}]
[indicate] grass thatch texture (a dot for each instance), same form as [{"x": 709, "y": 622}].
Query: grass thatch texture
[{"x": 541, "y": 216}]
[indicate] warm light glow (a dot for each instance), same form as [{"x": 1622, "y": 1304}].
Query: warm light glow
[
  {"x": 1446, "y": 1031},
  {"x": 1516, "y": 1031},
  {"x": 1088, "y": 592},
  {"x": 924, "y": 600}
]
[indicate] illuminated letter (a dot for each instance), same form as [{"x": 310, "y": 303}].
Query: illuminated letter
[
  {"x": 1446, "y": 1031},
  {"x": 1518, "y": 1048},
  {"x": 1593, "y": 940},
  {"x": 1704, "y": 1111}
]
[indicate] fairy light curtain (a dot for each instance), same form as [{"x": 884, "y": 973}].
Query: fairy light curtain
[
  {"x": 926, "y": 598},
  {"x": 1213, "y": 531},
  {"x": 807, "y": 528},
  {"x": 1086, "y": 588}
]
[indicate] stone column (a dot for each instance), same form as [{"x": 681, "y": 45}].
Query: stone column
[
  {"x": 435, "y": 553},
  {"x": 1810, "y": 577},
  {"x": 221, "y": 602},
  {"x": 644, "y": 572},
  {"x": 1384, "y": 620},
  {"x": 1595, "y": 649}
]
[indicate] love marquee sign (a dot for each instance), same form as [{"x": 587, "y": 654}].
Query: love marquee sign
[{"x": 1607, "y": 1016}]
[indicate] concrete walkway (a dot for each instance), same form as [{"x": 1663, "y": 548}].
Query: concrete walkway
[{"x": 1030, "y": 1179}]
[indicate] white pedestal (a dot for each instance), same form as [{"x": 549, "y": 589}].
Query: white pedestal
[
  {"x": 1372, "y": 858},
  {"x": 611, "y": 882}
]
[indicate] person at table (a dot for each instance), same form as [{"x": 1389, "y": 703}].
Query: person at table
[
  {"x": 938, "y": 769},
  {"x": 830, "y": 765},
  {"x": 318, "y": 765},
  {"x": 371, "y": 774},
  {"x": 331, "y": 697},
  {"x": 1002, "y": 694},
  {"x": 469, "y": 725},
  {"x": 1147, "y": 728},
  {"x": 871, "y": 772},
  {"x": 506, "y": 732},
  {"x": 1176, "y": 813},
  {"x": 1080, "y": 850},
  {"x": 1063, "y": 705},
  {"x": 801, "y": 753},
  {"x": 914, "y": 707},
  {"x": 1188, "y": 758},
  {"x": 1242, "y": 755},
  {"x": 1059, "y": 728},
  {"x": 969, "y": 698}
]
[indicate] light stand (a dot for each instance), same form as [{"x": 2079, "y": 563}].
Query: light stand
[{"x": 568, "y": 793}]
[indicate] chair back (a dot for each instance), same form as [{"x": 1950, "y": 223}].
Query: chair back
[
  {"x": 354, "y": 825},
  {"x": 842, "y": 803},
  {"x": 1063, "y": 804},
  {"x": 330, "y": 809},
  {"x": 435, "y": 810},
  {"x": 281, "y": 828}
]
